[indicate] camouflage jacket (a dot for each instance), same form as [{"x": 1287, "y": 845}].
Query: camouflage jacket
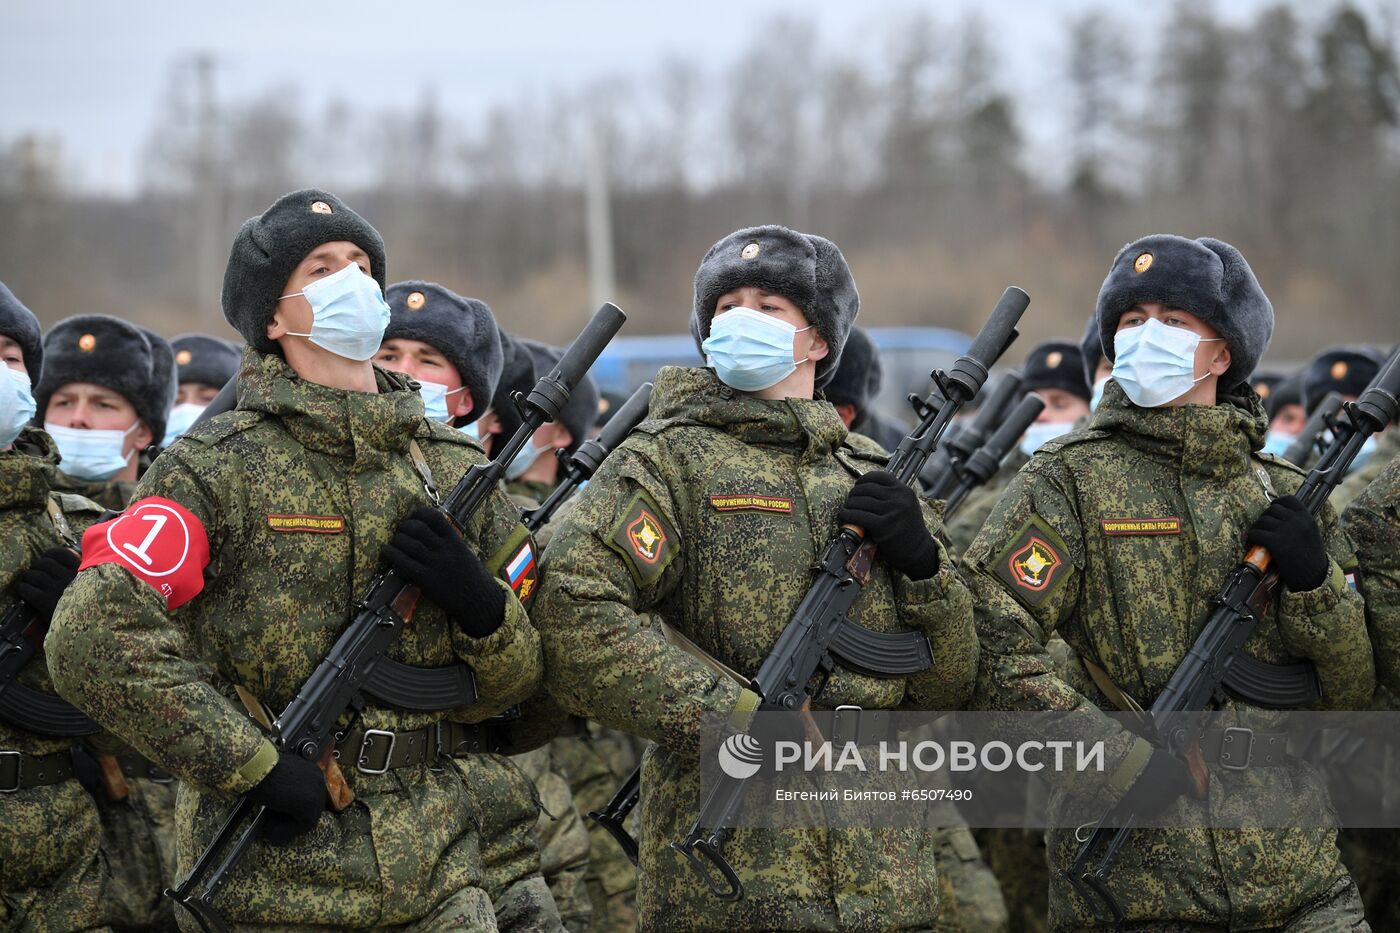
[
  {"x": 1117, "y": 537},
  {"x": 297, "y": 491},
  {"x": 1387, "y": 450},
  {"x": 710, "y": 516},
  {"x": 43, "y": 830},
  {"x": 1373, "y": 521}
]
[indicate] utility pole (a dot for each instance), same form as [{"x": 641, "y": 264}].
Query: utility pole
[{"x": 601, "y": 284}]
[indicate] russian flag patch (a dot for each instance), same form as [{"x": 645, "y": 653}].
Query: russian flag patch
[{"x": 521, "y": 572}]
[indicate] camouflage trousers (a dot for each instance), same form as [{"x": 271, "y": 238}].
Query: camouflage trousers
[
  {"x": 1017, "y": 859},
  {"x": 563, "y": 839},
  {"x": 1338, "y": 911},
  {"x": 52, "y": 873},
  {"x": 971, "y": 898},
  {"x": 510, "y": 850},
  {"x": 138, "y": 842},
  {"x": 596, "y": 761}
]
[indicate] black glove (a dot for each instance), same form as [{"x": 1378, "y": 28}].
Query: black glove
[
  {"x": 294, "y": 793},
  {"x": 430, "y": 554},
  {"x": 889, "y": 513},
  {"x": 1290, "y": 533},
  {"x": 41, "y": 584},
  {"x": 1162, "y": 781}
]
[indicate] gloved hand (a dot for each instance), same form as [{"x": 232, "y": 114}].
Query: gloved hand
[
  {"x": 889, "y": 512},
  {"x": 294, "y": 793},
  {"x": 1162, "y": 781},
  {"x": 1291, "y": 534},
  {"x": 430, "y": 554},
  {"x": 41, "y": 584}
]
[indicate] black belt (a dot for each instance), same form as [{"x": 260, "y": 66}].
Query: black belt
[
  {"x": 1236, "y": 748},
  {"x": 375, "y": 751},
  {"x": 21, "y": 771}
]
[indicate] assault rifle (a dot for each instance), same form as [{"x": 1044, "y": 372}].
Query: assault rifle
[
  {"x": 308, "y": 725},
  {"x": 946, "y": 464},
  {"x": 1212, "y": 667},
  {"x": 819, "y": 635},
  {"x": 31, "y": 709},
  {"x": 984, "y": 464},
  {"x": 580, "y": 466}
]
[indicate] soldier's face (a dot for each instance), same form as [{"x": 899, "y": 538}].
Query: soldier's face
[
  {"x": 1211, "y": 358},
  {"x": 1061, "y": 407},
  {"x": 196, "y": 393},
  {"x": 88, "y": 407},
  {"x": 294, "y": 313},
  {"x": 808, "y": 345},
  {"x": 487, "y": 427},
  {"x": 1289, "y": 419},
  {"x": 13, "y": 355},
  {"x": 422, "y": 361}
]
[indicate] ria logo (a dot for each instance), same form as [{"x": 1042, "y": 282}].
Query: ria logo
[{"x": 740, "y": 756}]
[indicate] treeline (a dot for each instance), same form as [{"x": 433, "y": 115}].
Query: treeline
[{"x": 911, "y": 152}]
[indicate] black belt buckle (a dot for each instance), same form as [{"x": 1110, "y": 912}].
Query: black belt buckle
[
  {"x": 18, "y": 759},
  {"x": 1228, "y": 754}
]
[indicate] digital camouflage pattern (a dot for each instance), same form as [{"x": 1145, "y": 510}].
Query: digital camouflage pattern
[
  {"x": 274, "y": 599},
  {"x": 710, "y": 515},
  {"x": 1387, "y": 449},
  {"x": 52, "y": 873},
  {"x": 597, "y": 761},
  {"x": 1134, "y": 602},
  {"x": 510, "y": 848}
]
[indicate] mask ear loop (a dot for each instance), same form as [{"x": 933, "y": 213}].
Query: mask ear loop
[
  {"x": 1206, "y": 374},
  {"x": 805, "y": 359}
]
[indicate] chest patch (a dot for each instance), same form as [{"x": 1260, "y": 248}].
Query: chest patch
[
  {"x": 751, "y": 502},
  {"x": 644, "y": 538},
  {"x": 1033, "y": 565},
  {"x": 1141, "y": 526},
  {"x": 318, "y": 524}
]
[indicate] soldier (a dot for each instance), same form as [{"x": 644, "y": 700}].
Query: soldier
[
  {"x": 202, "y": 365},
  {"x": 1172, "y": 446},
  {"x": 201, "y": 612},
  {"x": 53, "y": 875},
  {"x": 854, "y": 388},
  {"x": 1097, "y": 368},
  {"x": 1348, "y": 371},
  {"x": 104, "y": 398},
  {"x": 1373, "y": 522},
  {"x": 502, "y": 419},
  {"x": 1054, "y": 370},
  {"x": 452, "y": 347},
  {"x": 709, "y": 516},
  {"x": 535, "y": 472},
  {"x": 1284, "y": 407}
]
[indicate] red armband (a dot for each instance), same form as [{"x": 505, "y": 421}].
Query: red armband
[{"x": 160, "y": 542}]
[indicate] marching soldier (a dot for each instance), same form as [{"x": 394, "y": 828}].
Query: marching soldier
[
  {"x": 202, "y": 365},
  {"x": 709, "y": 517},
  {"x": 1173, "y": 447},
  {"x": 202, "y": 610}
]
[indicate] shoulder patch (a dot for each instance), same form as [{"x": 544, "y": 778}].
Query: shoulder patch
[
  {"x": 73, "y": 504},
  {"x": 1034, "y": 564},
  {"x": 644, "y": 538},
  {"x": 517, "y": 563},
  {"x": 434, "y": 430}
]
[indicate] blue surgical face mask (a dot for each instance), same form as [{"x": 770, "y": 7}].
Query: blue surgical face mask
[
  {"x": 348, "y": 314},
  {"x": 88, "y": 455},
  {"x": 16, "y": 404},
  {"x": 1096, "y": 396},
  {"x": 435, "y": 400},
  {"x": 523, "y": 460},
  {"x": 1368, "y": 447},
  {"x": 1040, "y": 432},
  {"x": 472, "y": 430},
  {"x": 749, "y": 350},
  {"x": 1277, "y": 442},
  {"x": 179, "y": 421},
  {"x": 1156, "y": 364}
]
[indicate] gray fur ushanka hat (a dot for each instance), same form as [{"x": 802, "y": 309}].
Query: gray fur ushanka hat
[
  {"x": 205, "y": 359},
  {"x": 807, "y": 270},
  {"x": 270, "y": 246},
  {"x": 21, "y": 325},
  {"x": 462, "y": 329},
  {"x": 1207, "y": 277}
]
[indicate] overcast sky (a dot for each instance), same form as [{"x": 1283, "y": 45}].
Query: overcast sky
[{"x": 90, "y": 73}]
